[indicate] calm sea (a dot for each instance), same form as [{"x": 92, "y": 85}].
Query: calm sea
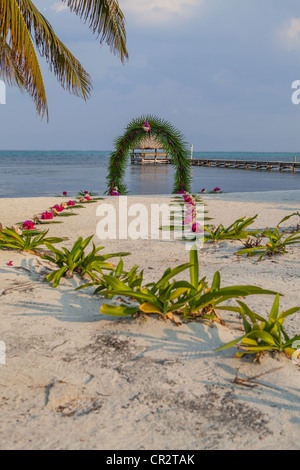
[{"x": 44, "y": 173}]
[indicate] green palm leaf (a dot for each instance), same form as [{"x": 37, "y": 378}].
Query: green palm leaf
[
  {"x": 22, "y": 25},
  {"x": 14, "y": 31},
  {"x": 105, "y": 19},
  {"x": 68, "y": 70}
]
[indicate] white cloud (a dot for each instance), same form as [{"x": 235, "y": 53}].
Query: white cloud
[
  {"x": 58, "y": 7},
  {"x": 290, "y": 35},
  {"x": 159, "y": 11}
]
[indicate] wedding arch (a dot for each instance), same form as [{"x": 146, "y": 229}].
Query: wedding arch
[{"x": 138, "y": 131}]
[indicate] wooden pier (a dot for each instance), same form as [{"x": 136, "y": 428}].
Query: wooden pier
[{"x": 248, "y": 164}]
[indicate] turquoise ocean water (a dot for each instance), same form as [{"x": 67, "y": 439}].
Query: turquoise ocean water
[{"x": 44, "y": 173}]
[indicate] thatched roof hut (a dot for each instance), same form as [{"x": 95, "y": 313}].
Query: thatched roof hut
[
  {"x": 149, "y": 150},
  {"x": 151, "y": 143}
]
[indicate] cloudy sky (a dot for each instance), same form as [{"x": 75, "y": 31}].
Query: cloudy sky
[{"x": 221, "y": 71}]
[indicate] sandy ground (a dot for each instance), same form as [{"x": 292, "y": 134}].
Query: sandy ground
[{"x": 75, "y": 379}]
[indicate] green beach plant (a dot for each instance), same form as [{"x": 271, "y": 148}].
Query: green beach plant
[
  {"x": 76, "y": 261},
  {"x": 204, "y": 305},
  {"x": 160, "y": 297},
  {"x": 193, "y": 299},
  {"x": 29, "y": 240},
  {"x": 263, "y": 334},
  {"x": 235, "y": 231},
  {"x": 277, "y": 243},
  {"x": 131, "y": 278}
]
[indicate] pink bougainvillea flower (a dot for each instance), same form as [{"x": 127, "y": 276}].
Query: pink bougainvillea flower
[
  {"x": 187, "y": 220},
  {"x": 10, "y": 263},
  {"x": 203, "y": 190},
  {"x": 146, "y": 127},
  {"x": 87, "y": 197},
  {"x": 65, "y": 193},
  {"x": 58, "y": 208},
  {"x": 47, "y": 216},
  {"x": 196, "y": 228},
  {"x": 71, "y": 203},
  {"x": 180, "y": 192},
  {"x": 28, "y": 225},
  {"x": 216, "y": 190}
]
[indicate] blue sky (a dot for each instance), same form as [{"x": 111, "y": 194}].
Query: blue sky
[{"x": 220, "y": 71}]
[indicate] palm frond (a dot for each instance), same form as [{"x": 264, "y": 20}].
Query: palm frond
[
  {"x": 105, "y": 19},
  {"x": 68, "y": 70},
  {"x": 11, "y": 68},
  {"x": 14, "y": 32}
]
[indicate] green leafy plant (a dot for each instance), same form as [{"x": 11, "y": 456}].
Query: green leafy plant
[
  {"x": 192, "y": 300},
  {"x": 263, "y": 334},
  {"x": 132, "y": 278},
  {"x": 277, "y": 241},
  {"x": 235, "y": 231},
  {"x": 203, "y": 302},
  {"x": 159, "y": 297},
  {"x": 277, "y": 244},
  {"x": 76, "y": 261},
  {"x": 77, "y": 206},
  {"x": 29, "y": 241},
  {"x": 66, "y": 213}
]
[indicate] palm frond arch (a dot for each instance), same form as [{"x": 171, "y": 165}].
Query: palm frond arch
[{"x": 138, "y": 131}]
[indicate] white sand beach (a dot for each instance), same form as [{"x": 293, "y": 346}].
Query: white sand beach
[{"x": 76, "y": 379}]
